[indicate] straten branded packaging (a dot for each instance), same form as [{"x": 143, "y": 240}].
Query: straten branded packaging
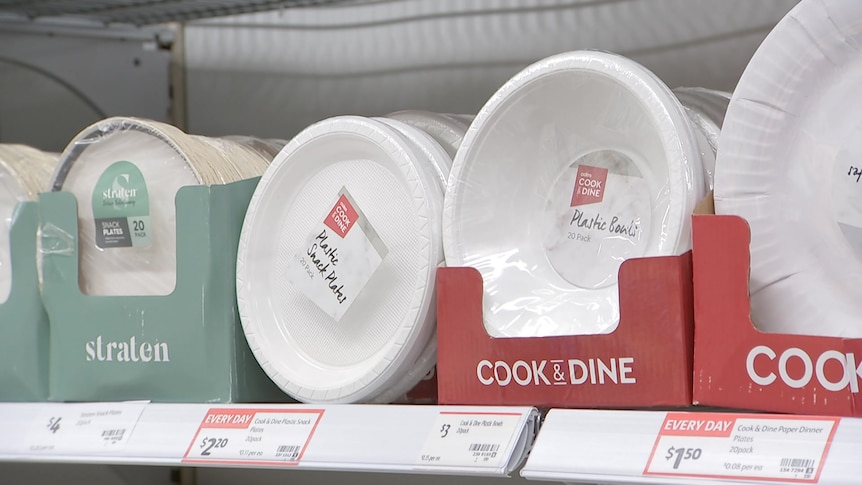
[
  {"x": 738, "y": 366},
  {"x": 187, "y": 346},
  {"x": 645, "y": 362},
  {"x": 23, "y": 322}
]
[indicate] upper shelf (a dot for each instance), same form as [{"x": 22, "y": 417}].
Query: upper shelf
[{"x": 142, "y": 12}]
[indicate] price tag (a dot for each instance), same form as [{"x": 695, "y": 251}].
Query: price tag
[
  {"x": 742, "y": 447},
  {"x": 470, "y": 440},
  {"x": 253, "y": 436},
  {"x": 86, "y": 428}
]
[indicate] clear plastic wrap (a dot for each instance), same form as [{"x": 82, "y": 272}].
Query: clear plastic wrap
[
  {"x": 125, "y": 174},
  {"x": 790, "y": 164},
  {"x": 360, "y": 348},
  {"x": 438, "y": 163},
  {"x": 447, "y": 130},
  {"x": 706, "y": 109},
  {"x": 24, "y": 172},
  {"x": 581, "y": 161}
]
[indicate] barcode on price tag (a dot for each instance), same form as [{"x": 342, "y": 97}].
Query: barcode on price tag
[
  {"x": 85, "y": 428},
  {"x": 742, "y": 446},
  {"x": 470, "y": 439},
  {"x": 114, "y": 434},
  {"x": 253, "y": 436}
]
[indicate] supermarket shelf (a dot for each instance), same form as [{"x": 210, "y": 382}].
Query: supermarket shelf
[
  {"x": 585, "y": 446},
  {"x": 477, "y": 441},
  {"x": 142, "y": 12}
]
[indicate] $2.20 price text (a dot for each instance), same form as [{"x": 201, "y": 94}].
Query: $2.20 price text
[{"x": 259, "y": 436}]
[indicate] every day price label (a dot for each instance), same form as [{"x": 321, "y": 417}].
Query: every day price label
[
  {"x": 470, "y": 440},
  {"x": 83, "y": 429},
  {"x": 742, "y": 447},
  {"x": 253, "y": 436}
]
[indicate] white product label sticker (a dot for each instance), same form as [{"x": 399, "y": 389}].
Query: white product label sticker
[
  {"x": 742, "y": 447},
  {"x": 82, "y": 429},
  {"x": 253, "y": 436},
  {"x": 470, "y": 440},
  {"x": 339, "y": 258},
  {"x": 847, "y": 198},
  {"x": 597, "y": 216}
]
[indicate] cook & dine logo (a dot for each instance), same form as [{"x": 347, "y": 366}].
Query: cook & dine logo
[
  {"x": 589, "y": 185},
  {"x": 557, "y": 372},
  {"x": 342, "y": 217}
]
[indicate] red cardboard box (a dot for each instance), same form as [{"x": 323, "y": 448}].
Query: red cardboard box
[
  {"x": 738, "y": 366},
  {"x": 425, "y": 391},
  {"x": 646, "y": 362}
]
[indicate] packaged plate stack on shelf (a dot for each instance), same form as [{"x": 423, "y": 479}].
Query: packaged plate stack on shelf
[
  {"x": 787, "y": 177},
  {"x": 515, "y": 175},
  {"x": 337, "y": 301},
  {"x": 138, "y": 249},
  {"x": 440, "y": 161},
  {"x": 581, "y": 162},
  {"x": 24, "y": 172},
  {"x": 125, "y": 174}
]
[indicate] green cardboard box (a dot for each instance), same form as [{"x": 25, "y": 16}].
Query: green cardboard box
[
  {"x": 23, "y": 322},
  {"x": 184, "y": 347}
]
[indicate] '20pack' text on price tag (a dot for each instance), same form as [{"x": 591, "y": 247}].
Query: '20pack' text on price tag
[
  {"x": 742, "y": 446},
  {"x": 253, "y": 436},
  {"x": 470, "y": 440}
]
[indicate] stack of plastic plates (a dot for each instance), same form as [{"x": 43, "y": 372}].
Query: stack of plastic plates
[
  {"x": 24, "y": 172},
  {"x": 127, "y": 171},
  {"x": 579, "y": 162},
  {"x": 447, "y": 130},
  {"x": 337, "y": 262},
  {"x": 706, "y": 109},
  {"x": 790, "y": 163}
]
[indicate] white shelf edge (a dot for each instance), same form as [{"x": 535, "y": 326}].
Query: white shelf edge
[
  {"x": 362, "y": 438},
  {"x": 614, "y": 447}
]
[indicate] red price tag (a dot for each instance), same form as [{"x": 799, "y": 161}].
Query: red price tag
[
  {"x": 253, "y": 436},
  {"x": 742, "y": 447}
]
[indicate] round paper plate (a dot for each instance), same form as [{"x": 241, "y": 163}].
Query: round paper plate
[
  {"x": 446, "y": 130},
  {"x": 706, "y": 109},
  {"x": 789, "y": 162},
  {"x": 24, "y": 172},
  {"x": 337, "y": 262},
  {"x": 132, "y": 169},
  {"x": 579, "y": 162},
  {"x": 267, "y": 148}
]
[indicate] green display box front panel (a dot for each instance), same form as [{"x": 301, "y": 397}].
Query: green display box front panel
[
  {"x": 23, "y": 322},
  {"x": 184, "y": 347}
]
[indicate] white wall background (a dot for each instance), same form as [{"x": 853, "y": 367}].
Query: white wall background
[
  {"x": 271, "y": 74},
  {"x": 54, "y": 85}
]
